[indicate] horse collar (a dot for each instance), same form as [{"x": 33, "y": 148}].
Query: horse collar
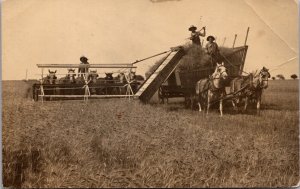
[{"x": 213, "y": 87}]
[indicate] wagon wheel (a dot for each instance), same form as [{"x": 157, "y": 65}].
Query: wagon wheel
[
  {"x": 161, "y": 95},
  {"x": 187, "y": 101}
]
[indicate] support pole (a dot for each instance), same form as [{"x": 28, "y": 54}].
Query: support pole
[
  {"x": 129, "y": 91},
  {"x": 42, "y": 93},
  {"x": 246, "y": 36},
  {"x": 42, "y": 74},
  {"x": 244, "y": 54},
  {"x": 224, "y": 41},
  {"x": 234, "y": 40},
  {"x": 86, "y": 87}
]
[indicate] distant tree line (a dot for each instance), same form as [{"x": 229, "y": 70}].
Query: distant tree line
[{"x": 281, "y": 77}]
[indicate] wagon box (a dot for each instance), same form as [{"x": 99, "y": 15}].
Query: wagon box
[
  {"x": 234, "y": 62},
  {"x": 182, "y": 82}
]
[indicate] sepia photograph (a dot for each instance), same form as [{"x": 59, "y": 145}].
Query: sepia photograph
[{"x": 150, "y": 93}]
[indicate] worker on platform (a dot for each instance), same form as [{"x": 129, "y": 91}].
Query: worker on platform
[
  {"x": 213, "y": 50},
  {"x": 81, "y": 71},
  {"x": 195, "y": 35}
]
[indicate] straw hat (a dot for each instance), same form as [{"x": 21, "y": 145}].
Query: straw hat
[
  {"x": 212, "y": 37},
  {"x": 192, "y": 28},
  {"x": 83, "y": 59}
]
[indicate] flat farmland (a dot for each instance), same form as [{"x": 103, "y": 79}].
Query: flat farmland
[{"x": 124, "y": 143}]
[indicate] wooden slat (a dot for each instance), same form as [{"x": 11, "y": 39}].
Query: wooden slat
[
  {"x": 82, "y": 85},
  {"x": 91, "y": 96},
  {"x": 85, "y": 66}
]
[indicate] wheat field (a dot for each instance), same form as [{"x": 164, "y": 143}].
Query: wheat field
[{"x": 124, "y": 143}]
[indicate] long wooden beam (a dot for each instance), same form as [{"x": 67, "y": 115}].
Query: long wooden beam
[
  {"x": 85, "y": 66},
  {"x": 234, "y": 40},
  {"x": 246, "y": 36},
  {"x": 89, "y": 96}
]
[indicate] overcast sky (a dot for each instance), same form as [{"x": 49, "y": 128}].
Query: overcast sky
[{"x": 122, "y": 31}]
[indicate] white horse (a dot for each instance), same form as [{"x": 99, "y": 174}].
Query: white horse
[{"x": 211, "y": 90}]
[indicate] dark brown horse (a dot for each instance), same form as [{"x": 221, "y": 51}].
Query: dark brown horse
[
  {"x": 92, "y": 77},
  {"x": 249, "y": 88},
  {"x": 69, "y": 78},
  {"x": 50, "y": 78},
  {"x": 65, "y": 83}
]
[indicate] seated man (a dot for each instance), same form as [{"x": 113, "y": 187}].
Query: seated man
[{"x": 81, "y": 71}]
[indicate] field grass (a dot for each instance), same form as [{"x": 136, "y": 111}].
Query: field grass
[{"x": 122, "y": 143}]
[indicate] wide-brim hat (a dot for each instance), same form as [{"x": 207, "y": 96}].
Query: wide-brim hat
[
  {"x": 83, "y": 59},
  {"x": 192, "y": 28},
  {"x": 212, "y": 37}
]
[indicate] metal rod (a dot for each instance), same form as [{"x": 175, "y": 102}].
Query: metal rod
[
  {"x": 150, "y": 57},
  {"x": 26, "y": 75},
  {"x": 224, "y": 41},
  {"x": 246, "y": 36},
  {"x": 235, "y": 36}
]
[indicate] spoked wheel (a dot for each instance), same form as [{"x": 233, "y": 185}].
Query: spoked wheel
[{"x": 190, "y": 102}]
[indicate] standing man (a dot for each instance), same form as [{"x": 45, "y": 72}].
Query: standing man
[
  {"x": 213, "y": 50},
  {"x": 81, "y": 71},
  {"x": 195, "y": 35}
]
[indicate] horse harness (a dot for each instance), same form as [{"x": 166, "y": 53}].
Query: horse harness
[
  {"x": 213, "y": 87},
  {"x": 249, "y": 89}
]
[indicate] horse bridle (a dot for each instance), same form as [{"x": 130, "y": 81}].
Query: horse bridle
[
  {"x": 220, "y": 73},
  {"x": 52, "y": 77},
  {"x": 261, "y": 79},
  {"x": 214, "y": 88}
]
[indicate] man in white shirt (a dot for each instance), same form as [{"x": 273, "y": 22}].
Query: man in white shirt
[{"x": 195, "y": 35}]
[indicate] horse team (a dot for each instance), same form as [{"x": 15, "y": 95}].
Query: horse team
[
  {"x": 208, "y": 91},
  {"x": 97, "y": 85},
  {"x": 212, "y": 90}
]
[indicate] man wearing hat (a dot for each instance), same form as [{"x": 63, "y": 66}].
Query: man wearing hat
[
  {"x": 195, "y": 35},
  {"x": 81, "y": 71},
  {"x": 213, "y": 50}
]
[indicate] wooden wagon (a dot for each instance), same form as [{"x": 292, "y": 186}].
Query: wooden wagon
[{"x": 182, "y": 83}]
